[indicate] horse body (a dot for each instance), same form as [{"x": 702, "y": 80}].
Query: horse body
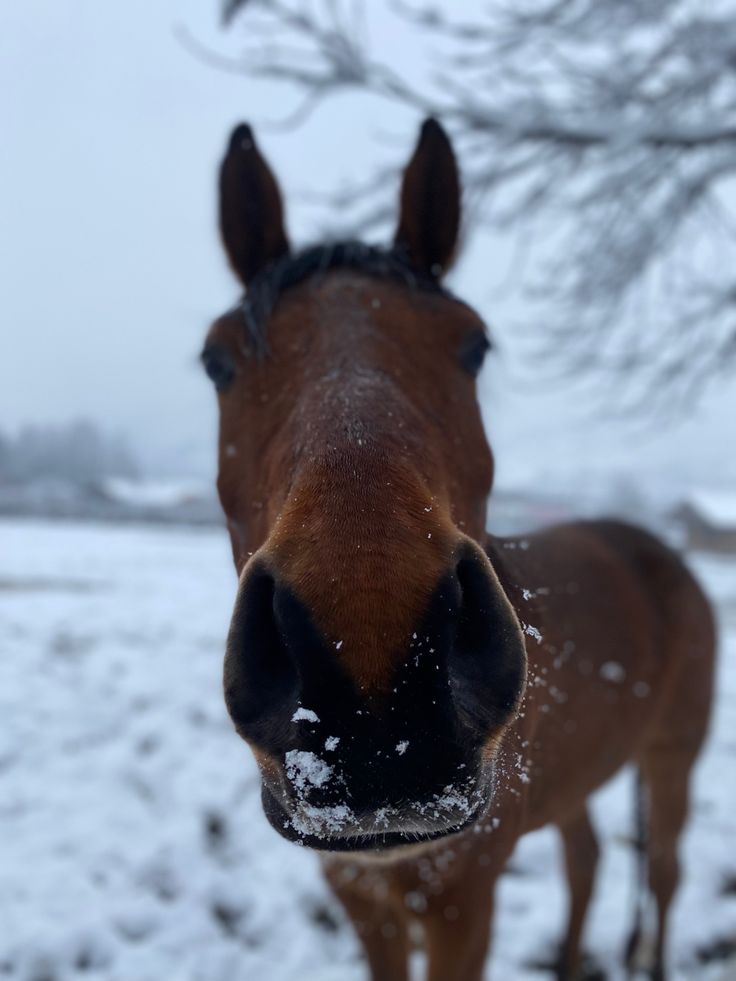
[
  {"x": 642, "y": 671},
  {"x": 417, "y": 694},
  {"x": 621, "y": 668}
]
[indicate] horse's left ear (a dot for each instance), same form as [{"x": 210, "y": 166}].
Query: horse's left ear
[
  {"x": 251, "y": 212},
  {"x": 429, "y": 221}
]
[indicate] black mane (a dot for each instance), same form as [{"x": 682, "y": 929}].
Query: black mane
[{"x": 266, "y": 288}]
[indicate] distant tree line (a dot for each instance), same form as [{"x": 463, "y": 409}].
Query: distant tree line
[{"x": 77, "y": 452}]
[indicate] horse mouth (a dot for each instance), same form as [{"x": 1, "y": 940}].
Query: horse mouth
[{"x": 336, "y": 829}]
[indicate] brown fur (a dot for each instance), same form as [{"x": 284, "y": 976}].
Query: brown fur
[{"x": 353, "y": 463}]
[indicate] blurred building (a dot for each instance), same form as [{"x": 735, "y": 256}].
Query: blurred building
[{"x": 707, "y": 521}]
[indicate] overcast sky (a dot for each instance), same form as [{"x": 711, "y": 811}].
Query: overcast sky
[{"x": 110, "y": 267}]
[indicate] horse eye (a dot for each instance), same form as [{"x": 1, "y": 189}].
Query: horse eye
[
  {"x": 219, "y": 367},
  {"x": 473, "y": 351}
]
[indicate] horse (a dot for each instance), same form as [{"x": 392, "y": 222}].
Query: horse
[{"x": 417, "y": 693}]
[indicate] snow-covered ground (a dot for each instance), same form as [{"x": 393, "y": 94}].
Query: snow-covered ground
[{"x": 132, "y": 843}]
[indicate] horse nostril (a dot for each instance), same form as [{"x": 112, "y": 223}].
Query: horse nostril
[
  {"x": 487, "y": 662},
  {"x": 261, "y": 679},
  {"x": 475, "y": 595}
]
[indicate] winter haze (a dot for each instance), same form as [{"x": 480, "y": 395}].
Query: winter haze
[
  {"x": 133, "y": 843},
  {"x": 112, "y": 268}
]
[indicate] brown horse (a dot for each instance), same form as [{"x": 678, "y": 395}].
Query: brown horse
[{"x": 417, "y": 694}]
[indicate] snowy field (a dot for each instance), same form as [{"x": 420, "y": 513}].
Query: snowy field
[{"x": 132, "y": 844}]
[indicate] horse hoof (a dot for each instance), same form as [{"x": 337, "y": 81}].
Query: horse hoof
[
  {"x": 631, "y": 953},
  {"x": 587, "y": 969}
]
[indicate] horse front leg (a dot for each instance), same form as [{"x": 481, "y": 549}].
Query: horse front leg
[
  {"x": 457, "y": 934},
  {"x": 381, "y": 925}
]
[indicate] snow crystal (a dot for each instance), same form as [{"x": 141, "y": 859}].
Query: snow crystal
[
  {"x": 381, "y": 816},
  {"x": 612, "y": 671},
  {"x": 416, "y": 901},
  {"x": 453, "y": 799},
  {"x": 338, "y": 645},
  {"x": 402, "y": 747},
  {"x": 532, "y": 632},
  {"x": 331, "y": 743},
  {"x": 310, "y": 820},
  {"x": 304, "y": 769},
  {"x": 304, "y": 715}
]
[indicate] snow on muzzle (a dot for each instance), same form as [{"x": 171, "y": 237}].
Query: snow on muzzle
[
  {"x": 315, "y": 804},
  {"x": 340, "y": 763},
  {"x": 372, "y": 774}
]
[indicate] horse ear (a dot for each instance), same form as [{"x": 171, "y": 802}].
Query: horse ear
[
  {"x": 429, "y": 218},
  {"x": 251, "y": 212}
]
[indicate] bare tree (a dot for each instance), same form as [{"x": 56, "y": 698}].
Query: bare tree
[{"x": 602, "y": 132}]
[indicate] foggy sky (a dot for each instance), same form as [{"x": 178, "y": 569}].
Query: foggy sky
[{"x": 110, "y": 267}]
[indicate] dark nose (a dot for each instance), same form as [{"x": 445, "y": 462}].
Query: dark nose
[
  {"x": 346, "y": 762},
  {"x": 461, "y": 675},
  {"x": 261, "y": 677},
  {"x": 487, "y": 657},
  {"x": 277, "y": 661}
]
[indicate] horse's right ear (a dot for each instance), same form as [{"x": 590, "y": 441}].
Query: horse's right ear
[
  {"x": 429, "y": 221},
  {"x": 251, "y": 212}
]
